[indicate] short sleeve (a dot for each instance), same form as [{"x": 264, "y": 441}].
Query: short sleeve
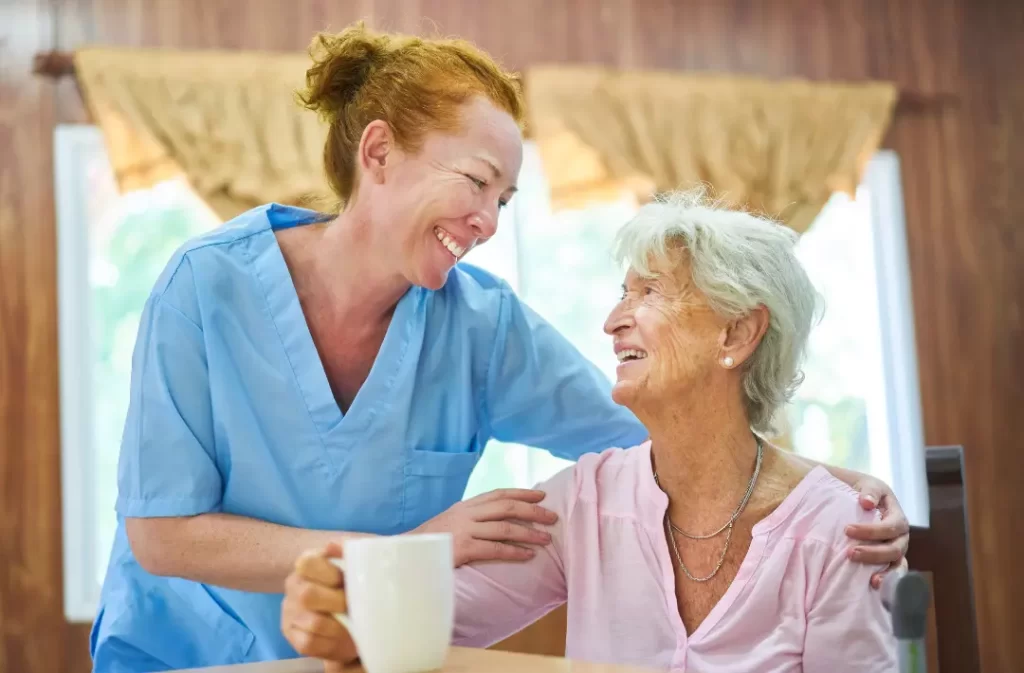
[
  {"x": 848, "y": 628},
  {"x": 495, "y": 599},
  {"x": 543, "y": 392},
  {"x": 167, "y": 464}
]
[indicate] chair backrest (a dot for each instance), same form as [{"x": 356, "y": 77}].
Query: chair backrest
[{"x": 942, "y": 553}]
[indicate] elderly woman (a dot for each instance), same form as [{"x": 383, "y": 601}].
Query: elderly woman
[
  {"x": 300, "y": 376},
  {"x": 705, "y": 548}
]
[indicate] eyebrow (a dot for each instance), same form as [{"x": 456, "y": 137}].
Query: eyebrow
[{"x": 494, "y": 169}]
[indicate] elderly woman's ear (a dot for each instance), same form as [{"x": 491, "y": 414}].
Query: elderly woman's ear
[{"x": 740, "y": 337}]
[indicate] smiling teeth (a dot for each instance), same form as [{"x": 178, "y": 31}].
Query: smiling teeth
[
  {"x": 631, "y": 354},
  {"x": 447, "y": 242}
]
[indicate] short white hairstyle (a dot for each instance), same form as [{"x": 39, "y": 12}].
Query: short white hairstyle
[{"x": 739, "y": 261}]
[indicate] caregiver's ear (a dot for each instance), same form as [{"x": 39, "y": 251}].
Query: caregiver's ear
[
  {"x": 740, "y": 337},
  {"x": 375, "y": 148}
]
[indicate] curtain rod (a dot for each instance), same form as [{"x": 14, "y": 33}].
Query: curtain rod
[{"x": 59, "y": 64}]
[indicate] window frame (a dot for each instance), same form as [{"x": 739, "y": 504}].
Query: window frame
[
  {"x": 73, "y": 146},
  {"x": 902, "y": 409}
]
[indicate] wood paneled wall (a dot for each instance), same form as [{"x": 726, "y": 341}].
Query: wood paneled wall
[{"x": 962, "y": 170}]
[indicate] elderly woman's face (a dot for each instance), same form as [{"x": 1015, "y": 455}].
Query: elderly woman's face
[
  {"x": 666, "y": 336},
  {"x": 444, "y": 200}
]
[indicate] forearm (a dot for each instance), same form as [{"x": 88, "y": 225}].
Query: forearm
[
  {"x": 230, "y": 551},
  {"x": 497, "y": 599}
]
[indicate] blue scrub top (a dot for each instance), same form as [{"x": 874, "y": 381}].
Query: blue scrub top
[{"x": 231, "y": 411}]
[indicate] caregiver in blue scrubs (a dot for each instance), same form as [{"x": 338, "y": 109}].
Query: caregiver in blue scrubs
[{"x": 299, "y": 377}]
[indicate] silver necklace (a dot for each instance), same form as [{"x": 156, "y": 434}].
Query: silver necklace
[{"x": 671, "y": 528}]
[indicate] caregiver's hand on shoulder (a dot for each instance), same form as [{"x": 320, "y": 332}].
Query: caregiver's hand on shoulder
[
  {"x": 313, "y": 594},
  {"x": 493, "y": 526},
  {"x": 889, "y": 538}
]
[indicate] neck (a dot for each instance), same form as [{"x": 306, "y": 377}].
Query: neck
[
  {"x": 343, "y": 266},
  {"x": 703, "y": 452}
]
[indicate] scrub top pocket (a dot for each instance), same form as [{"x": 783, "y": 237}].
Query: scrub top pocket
[{"x": 433, "y": 481}]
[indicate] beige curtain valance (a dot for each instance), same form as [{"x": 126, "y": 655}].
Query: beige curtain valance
[
  {"x": 228, "y": 121},
  {"x": 777, "y": 147}
]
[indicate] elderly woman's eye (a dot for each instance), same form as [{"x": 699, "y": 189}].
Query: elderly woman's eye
[{"x": 480, "y": 184}]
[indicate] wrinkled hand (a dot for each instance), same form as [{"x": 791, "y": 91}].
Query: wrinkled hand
[
  {"x": 492, "y": 526},
  {"x": 891, "y": 535},
  {"x": 313, "y": 594}
]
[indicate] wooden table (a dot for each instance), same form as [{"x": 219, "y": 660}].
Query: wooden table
[{"x": 460, "y": 660}]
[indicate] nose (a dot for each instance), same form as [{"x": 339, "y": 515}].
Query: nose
[
  {"x": 484, "y": 223},
  {"x": 619, "y": 320}
]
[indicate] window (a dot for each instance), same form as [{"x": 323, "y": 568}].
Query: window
[
  {"x": 111, "y": 249},
  {"x": 859, "y": 404}
]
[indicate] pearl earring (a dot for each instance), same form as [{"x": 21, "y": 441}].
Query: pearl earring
[{"x": 727, "y": 361}]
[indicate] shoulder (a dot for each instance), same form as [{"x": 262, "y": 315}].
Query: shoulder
[
  {"x": 472, "y": 289},
  {"x": 201, "y": 251},
  {"x": 471, "y": 305},
  {"x": 819, "y": 510},
  {"x": 226, "y": 256},
  {"x": 613, "y": 482}
]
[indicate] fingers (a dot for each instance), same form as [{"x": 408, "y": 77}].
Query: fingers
[
  {"x": 497, "y": 510},
  {"x": 883, "y": 531},
  {"x": 311, "y": 597},
  {"x": 891, "y": 510},
  {"x": 868, "y": 499},
  {"x": 523, "y": 494},
  {"x": 506, "y": 531},
  {"x": 870, "y": 492},
  {"x": 317, "y": 623},
  {"x": 878, "y": 578},
  {"x": 878, "y": 554},
  {"x": 486, "y": 550},
  {"x": 315, "y": 567},
  {"x": 322, "y": 647}
]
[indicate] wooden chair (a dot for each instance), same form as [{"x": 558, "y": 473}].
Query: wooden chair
[{"x": 942, "y": 552}]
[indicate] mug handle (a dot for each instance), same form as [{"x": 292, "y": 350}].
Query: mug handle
[{"x": 342, "y": 617}]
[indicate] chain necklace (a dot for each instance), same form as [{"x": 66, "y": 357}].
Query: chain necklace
[{"x": 671, "y": 528}]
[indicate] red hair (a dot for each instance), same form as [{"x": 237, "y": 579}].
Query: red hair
[{"x": 414, "y": 84}]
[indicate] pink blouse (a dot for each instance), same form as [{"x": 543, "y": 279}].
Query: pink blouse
[{"x": 797, "y": 603}]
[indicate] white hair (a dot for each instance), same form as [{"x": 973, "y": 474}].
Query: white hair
[{"x": 738, "y": 261}]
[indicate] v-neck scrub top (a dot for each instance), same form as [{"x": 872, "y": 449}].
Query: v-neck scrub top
[{"x": 231, "y": 411}]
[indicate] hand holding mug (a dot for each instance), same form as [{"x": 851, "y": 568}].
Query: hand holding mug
[
  {"x": 314, "y": 593},
  {"x": 389, "y": 602}
]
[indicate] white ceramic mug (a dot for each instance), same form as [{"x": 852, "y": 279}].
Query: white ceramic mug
[{"x": 401, "y": 600}]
